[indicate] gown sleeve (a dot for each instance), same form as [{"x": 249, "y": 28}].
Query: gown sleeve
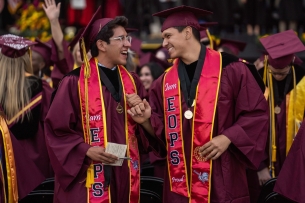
[
  {"x": 248, "y": 130},
  {"x": 64, "y": 135}
]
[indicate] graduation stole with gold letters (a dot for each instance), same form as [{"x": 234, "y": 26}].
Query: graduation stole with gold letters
[
  {"x": 95, "y": 131},
  {"x": 202, "y": 129}
]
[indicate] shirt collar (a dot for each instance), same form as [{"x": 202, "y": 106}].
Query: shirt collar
[{"x": 114, "y": 68}]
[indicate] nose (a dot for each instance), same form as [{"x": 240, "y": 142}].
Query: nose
[
  {"x": 127, "y": 43},
  {"x": 164, "y": 43}
]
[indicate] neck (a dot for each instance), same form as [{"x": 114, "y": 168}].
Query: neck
[
  {"x": 105, "y": 62},
  {"x": 192, "y": 53}
]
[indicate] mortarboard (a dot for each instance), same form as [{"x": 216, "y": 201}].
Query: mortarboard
[
  {"x": 44, "y": 49},
  {"x": 150, "y": 57},
  {"x": 75, "y": 39},
  {"x": 281, "y": 48},
  {"x": 14, "y": 46},
  {"x": 136, "y": 46},
  {"x": 234, "y": 46},
  {"x": 181, "y": 16},
  {"x": 92, "y": 29},
  {"x": 204, "y": 27}
]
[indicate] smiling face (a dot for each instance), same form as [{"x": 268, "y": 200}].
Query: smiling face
[
  {"x": 174, "y": 41},
  {"x": 146, "y": 77},
  {"x": 116, "y": 51}
]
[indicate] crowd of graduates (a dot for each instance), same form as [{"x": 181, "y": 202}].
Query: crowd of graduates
[{"x": 214, "y": 127}]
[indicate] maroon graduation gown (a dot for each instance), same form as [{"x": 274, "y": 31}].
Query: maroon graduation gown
[
  {"x": 67, "y": 148},
  {"x": 28, "y": 175},
  {"x": 36, "y": 146},
  {"x": 63, "y": 66},
  {"x": 241, "y": 116},
  {"x": 291, "y": 180}
]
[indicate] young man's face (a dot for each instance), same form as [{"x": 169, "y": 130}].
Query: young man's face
[
  {"x": 174, "y": 41},
  {"x": 116, "y": 50},
  {"x": 279, "y": 74}
]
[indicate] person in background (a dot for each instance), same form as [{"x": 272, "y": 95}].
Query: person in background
[
  {"x": 205, "y": 36},
  {"x": 231, "y": 46},
  {"x": 41, "y": 61},
  {"x": 60, "y": 56},
  {"x": 291, "y": 181},
  {"x": 284, "y": 78},
  {"x": 24, "y": 100}
]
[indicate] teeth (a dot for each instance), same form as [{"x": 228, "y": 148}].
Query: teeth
[{"x": 124, "y": 52}]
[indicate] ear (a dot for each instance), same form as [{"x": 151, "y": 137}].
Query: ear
[
  {"x": 101, "y": 45},
  {"x": 42, "y": 65},
  {"x": 188, "y": 32}
]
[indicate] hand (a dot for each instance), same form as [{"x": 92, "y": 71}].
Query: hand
[
  {"x": 52, "y": 11},
  {"x": 133, "y": 100},
  {"x": 98, "y": 154},
  {"x": 263, "y": 176},
  {"x": 215, "y": 147},
  {"x": 138, "y": 115}
]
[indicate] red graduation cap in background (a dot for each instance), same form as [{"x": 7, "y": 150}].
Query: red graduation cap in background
[
  {"x": 14, "y": 46},
  {"x": 44, "y": 49},
  {"x": 281, "y": 48},
  {"x": 233, "y": 45}
]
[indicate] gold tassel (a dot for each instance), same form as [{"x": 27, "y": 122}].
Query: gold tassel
[
  {"x": 272, "y": 117},
  {"x": 210, "y": 38},
  {"x": 294, "y": 99},
  {"x": 90, "y": 176},
  {"x": 87, "y": 71},
  {"x": 265, "y": 69}
]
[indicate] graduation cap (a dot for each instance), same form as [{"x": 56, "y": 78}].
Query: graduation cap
[
  {"x": 281, "y": 48},
  {"x": 14, "y": 46},
  {"x": 234, "y": 46},
  {"x": 150, "y": 57},
  {"x": 44, "y": 49},
  {"x": 136, "y": 46},
  {"x": 204, "y": 29},
  {"x": 75, "y": 40},
  {"x": 181, "y": 16},
  {"x": 92, "y": 29}
]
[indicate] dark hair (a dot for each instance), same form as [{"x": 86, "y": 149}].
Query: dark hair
[
  {"x": 107, "y": 31},
  {"x": 196, "y": 33},
  {"x": 155, "y": 70}
]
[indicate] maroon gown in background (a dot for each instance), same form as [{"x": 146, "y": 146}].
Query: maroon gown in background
[
  {"x": 67, "y": 148},
  {"x": 36, "y": 146},
  {"x": 28, "y": 175},
  {"x": 291, "y": 180},
  {"x": 63, "y": 66},
  {"x": 31, "y": 155},
  {"x": 242, "y": 116}
]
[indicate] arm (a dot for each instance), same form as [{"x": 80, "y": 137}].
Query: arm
[
  {"x": 248, "y": 132},
  {"x": 52, "y": 11}
]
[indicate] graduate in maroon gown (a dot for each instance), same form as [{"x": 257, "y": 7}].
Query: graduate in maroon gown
[
  {"x": 285, "y": 80},
  {"x": 87, "y": 112},
  {"x": 211, "y": 112},
  {"x": 291, "y": 181},
  {"x": 24, "y": 101}
]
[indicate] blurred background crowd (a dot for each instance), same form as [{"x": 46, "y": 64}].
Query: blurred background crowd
[{"x": 245, "y": 20}]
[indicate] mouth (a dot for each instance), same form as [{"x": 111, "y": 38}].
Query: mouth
[
  {"x": 169, "y": 49},
  {"x": 124, "y": 53}
]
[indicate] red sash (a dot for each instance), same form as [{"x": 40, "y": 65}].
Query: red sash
[
  {"x": 202, "y": 129},
  {"x": 91, "y": 95}
]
